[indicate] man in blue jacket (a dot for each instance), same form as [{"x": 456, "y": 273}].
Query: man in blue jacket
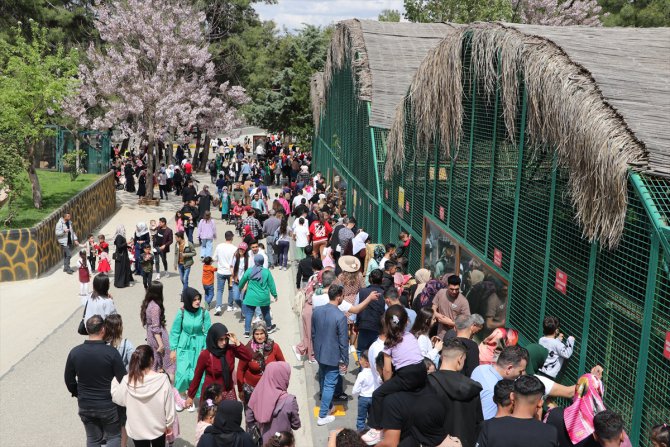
[{"x": 331, "y": 349}]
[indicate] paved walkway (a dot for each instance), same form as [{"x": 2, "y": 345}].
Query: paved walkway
[{"x": 38, "y": 321}]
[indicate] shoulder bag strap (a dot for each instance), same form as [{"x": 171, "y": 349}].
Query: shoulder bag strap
[{"x": 85, "y": 307}]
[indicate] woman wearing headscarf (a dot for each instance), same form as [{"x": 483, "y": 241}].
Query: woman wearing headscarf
[
  {"x": 226, "y": 431},
  {"x": 271, "y": 407},
  {"x": 260, "y": 285},
  {"x": 188, "y": 337},
  {"x": 204, "y": 200},
  {"x": 225, "y": 203},
  {"x": 305, "y": 347},
  {"x": 122, "y": 273},
  {"x": 265, "y": 351},
  {"x": 422, "y": 276},
  {"x": 375, "y": 253},
  {"x": 140, "y": 238},
  {"x": 574, "y": 424},
  {"x": 427, "y": 295},
  {"x": 129, "y": 174},
  {"x": 142, "y": 182},
  {"x": 217, "y": 362}
]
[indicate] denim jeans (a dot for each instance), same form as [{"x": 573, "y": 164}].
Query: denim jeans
[
  {"x": 209, "y": 293},
  {"x": 101, "y": 424},
  {"x": 183, "y": 275},
  {"x": 269, "y": 249},
  {"x": 206, "y": 248},
  {"x": 363, "y": 407},
  {"x": 221, "y": 281},
  {"x": 329, "y": 382},
  {"x": 249, "y": 315},
  {"x": 235, "y": 296},
  {"x": 189, "y": 234},
  {"x": 283, "y": 247}
]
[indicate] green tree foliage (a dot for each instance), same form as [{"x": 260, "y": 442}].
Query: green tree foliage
[
  {"x": 640, "y": 13},
  {"x": 389, "y": 15},
  {"x": 34, "y": 78},
  {"x": 459, "y": 11},
  {"x": 12, "y": 169},
  {"x": 283, "y": 103},
  {"x": 70, "y": 22}
]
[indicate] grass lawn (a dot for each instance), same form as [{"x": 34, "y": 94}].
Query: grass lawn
[{"x": 57, "y": 188}]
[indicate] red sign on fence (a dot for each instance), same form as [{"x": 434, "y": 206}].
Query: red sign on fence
[
  {"x": 386, "y": 194},
  {"x": 407, "y": 205},
  {"x": 441, "y": 213},
  {"x": 497, "y": 257},
  {"x": 561, "y": 283},
  {"x": 666, "y": 348}
]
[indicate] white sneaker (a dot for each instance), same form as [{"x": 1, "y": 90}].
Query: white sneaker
[
  {"x": 230, "y": 309},
  {"x": 157, "y": 276},
  {"x": 178, "y": 407},
  {"x": 217, "y": 311},
  {"x": 372, "y": 437},
  {"x": 327, "y": 420},
  {"x": 191, "y": 409}
]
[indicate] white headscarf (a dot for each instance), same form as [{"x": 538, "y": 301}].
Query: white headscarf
[
  {"x": 359, "y": 242},
  {"x": 120, "y": 231},
  {"x": 141, "y": 229}
]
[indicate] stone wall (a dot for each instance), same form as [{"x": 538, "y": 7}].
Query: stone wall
[{"x": 26, "y": 253}]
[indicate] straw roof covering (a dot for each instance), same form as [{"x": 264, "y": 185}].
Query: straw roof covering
[
  {"x": 599, "y": 96},
  {"x": 384, "y": 57},
  {"x": 317, "y": 98}
]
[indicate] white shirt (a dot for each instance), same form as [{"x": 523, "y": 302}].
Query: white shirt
[
  {"x": 224, "y": 257},
  {"x": 260, "y": 252},
  {"x": 365, "y": 383},
  {"x": 296, "y": 200},
  {"x": 427, "y": 349},
  {"x": 322, "y": 300},
  {"x": 548, "y": 384},
  {"x": 301, "y": 235},
  {"x": 260, "y": 150},
  {"x": 373, "y": 351},
  {"x": 381, "y": 264}
]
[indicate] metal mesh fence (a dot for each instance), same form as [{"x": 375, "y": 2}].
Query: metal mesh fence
[{"x": 506, "y": 203}]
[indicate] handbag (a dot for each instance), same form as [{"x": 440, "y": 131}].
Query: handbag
[
  {"x": 81, "y": 330},
  {"x": 255, "y": 433}
]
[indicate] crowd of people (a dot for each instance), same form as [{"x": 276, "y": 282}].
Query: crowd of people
[{"x": 430, "y": 370}]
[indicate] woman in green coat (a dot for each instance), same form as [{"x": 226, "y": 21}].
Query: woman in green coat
[
  {"x": 260, "y": 285},
  {"x": 188, "y": 337}
]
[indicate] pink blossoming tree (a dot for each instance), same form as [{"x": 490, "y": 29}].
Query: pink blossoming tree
[
  {"x": 557, "y": 12},
  {"x": 152, "y": 76}
]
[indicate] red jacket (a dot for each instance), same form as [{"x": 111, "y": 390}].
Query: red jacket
[
  {"x": 250, "y": 371},
  {"x": 211, "y": 367}
]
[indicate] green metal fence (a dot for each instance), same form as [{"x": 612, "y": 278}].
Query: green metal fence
[{"x": 502, "y": 195}]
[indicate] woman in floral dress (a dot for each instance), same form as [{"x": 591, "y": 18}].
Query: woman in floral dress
[{"x": 152, "y": 315}]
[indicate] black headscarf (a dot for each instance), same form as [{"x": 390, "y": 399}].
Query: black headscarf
[
  {"x": 187, "y": 297},
  {"x": 227, "y": 427},
  {"x": 216, "y": 331}
]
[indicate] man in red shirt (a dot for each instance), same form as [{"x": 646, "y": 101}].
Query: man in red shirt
[{"x": 188, "y": 168}]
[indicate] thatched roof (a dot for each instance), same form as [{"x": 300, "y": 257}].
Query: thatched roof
[
  {"x": 317, "y": 98},
  {"x": 385, "y": 57},
  {"x": 598, "y": 130}
]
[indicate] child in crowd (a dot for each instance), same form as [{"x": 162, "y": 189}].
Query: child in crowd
[
  {"x": 281, "y": 439},
  {"x": 558, "y": 350},
  {"x": 91, "y": 251},
  {"x": 84, "y": 270},
  {"x": 660, "y": 436},
  {"x": 364, "y": 387},
  {"x": 147, "y": 261},
  {"x": 402, "y": 352},
  {"x": 208, "y": 271},
  {"x": 212, "y": 397},
  {"x": 104, "y": 265}
]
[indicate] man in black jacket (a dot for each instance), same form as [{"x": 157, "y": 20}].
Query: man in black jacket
[
  {"x": 162, "y": 241},
  {"x": 458, "y": 393},
  {"x": 369, "y": 320},
  {"x": 388, "y": 280},
  {"x": 89, "y": 370},
  {"x": 305, "y": 270}
]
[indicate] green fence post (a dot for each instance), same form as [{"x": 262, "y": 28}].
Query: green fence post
[
  {"x": 377, "y": 182},
  {"x": 641, "y": 376},
  {"x": 493, "y": 161},
  {"x": 436, "y": 176},
  {"x": 519, "y": 171},
  {"x": 586, "y": 327},
  {"x": 472, "y": 143},
  {"x": 547, "y": 244}
]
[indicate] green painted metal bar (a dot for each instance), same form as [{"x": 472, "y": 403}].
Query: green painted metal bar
[
  {"x": 473, "y": 115},
  {"x": 377, "y": 181},
  {"x": 451, "y": 187},
  {"x": 344, "y": 170},
  {"x": 401, "y": 223},
  {"x": 467, "y": 246},
  {"x": 642, "y": 362},
  {"x": 650, "y": 207},
  {"x": 547, "y": 243},
  {"x": 522, "y": 134},
  {"x": 586, "y": 326},
  {"x": 493, "y": 160},
  {"x": 436, "y": 175}
]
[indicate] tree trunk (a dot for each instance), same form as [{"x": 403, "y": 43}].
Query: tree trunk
[
  {"x": 32, "y": 175},
  {"x": 204, "y": 156},
  {"x": 76, "y": 148},
  {"x": 150, "y": 171},
  {"x": 196, "y": 153}
]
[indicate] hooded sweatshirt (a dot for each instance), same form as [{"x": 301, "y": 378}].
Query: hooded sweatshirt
[
  {"x": 150, "y": 405},
  {"x": 460, "y": 394}
]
